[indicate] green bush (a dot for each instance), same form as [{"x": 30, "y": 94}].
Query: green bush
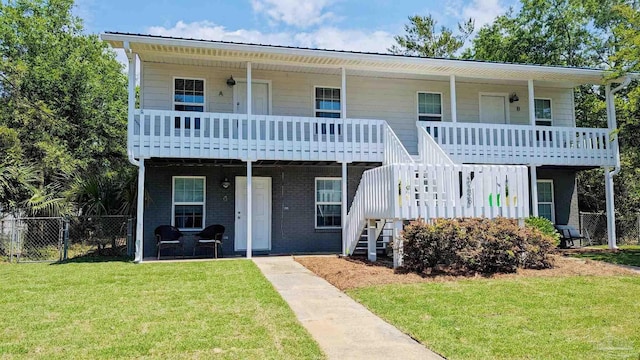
[
  {"x": 476, "y": 245},
  {"x": 545, "y": 226}
]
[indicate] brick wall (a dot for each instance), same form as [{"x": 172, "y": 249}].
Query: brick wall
[{"x": 293, "y": 204}]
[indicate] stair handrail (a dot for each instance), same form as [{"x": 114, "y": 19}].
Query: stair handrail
[
  {"x": 394, "y": 151},
  {"x": 430, "y": 151},
  {"x": 374, "y": 199}
]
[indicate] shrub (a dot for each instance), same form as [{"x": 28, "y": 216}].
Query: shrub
[
  {"x": 476, "y": 245},
  {"x": 545, "y": 226}
]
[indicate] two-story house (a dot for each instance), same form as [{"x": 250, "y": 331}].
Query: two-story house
[{"x": 299, "y": 150}]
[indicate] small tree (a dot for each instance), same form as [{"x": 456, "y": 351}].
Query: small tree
[{"x": 422, "y": 38}]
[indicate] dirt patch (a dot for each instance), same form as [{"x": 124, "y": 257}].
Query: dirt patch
[{"x": 350, "y": 273}]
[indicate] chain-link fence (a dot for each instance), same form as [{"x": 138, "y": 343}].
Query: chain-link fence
[
  {"x": 594, "y": 227},
  {"x": 56, "y": 238}
]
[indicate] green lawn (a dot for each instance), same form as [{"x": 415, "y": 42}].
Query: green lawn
[
  {"x": 626, "y": 255},
  {"x": 527, "y": 318},
  {"x": 219, "y": 309}
]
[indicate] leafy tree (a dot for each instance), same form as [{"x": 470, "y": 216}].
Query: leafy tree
[
  {"x": 63, "y": 95},
  {"x": 422, "y": 38}
]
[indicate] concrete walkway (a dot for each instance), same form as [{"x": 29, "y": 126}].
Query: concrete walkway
[{"x": 343, "y": 328}]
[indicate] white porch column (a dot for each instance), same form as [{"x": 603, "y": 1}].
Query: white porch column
[
  {"x": 249, "y": 109},
  {"x": 534, "y": 190},
  {"x": 132, "y": 97},
  {"x": 372, "y": 253},
  {"x": 532, "y": 104},
  {"x": 454, "y": 98},
  {"x": 611, "y": 214},
  {"x": 249, "y": 86},
  {"x": 249, "y": 214},
  {"x": 140, "y": 212},
  {"x": 397, "y": 244},
  {"x": 608, "y": 175},
  {"x": 343, "y": 95},
  {"x": 344, "y": 209}
]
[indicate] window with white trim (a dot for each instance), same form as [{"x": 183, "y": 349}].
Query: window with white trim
[
  {"x": 188, "y": 95},
  {"x": 328, "y": 203},
  {"x": 188, "y": 202},
  {"x": 327, "y": 105},
  {"x": 544, "y": 116},
  {"x": 429, "y": 106},
  {"x": 546, "y": 208}
]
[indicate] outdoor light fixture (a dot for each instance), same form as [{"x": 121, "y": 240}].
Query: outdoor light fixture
[
  {"x": 230, "y": 81},
  {"x": 225, "y": 183},
  {"x": 513, "y": 97}
]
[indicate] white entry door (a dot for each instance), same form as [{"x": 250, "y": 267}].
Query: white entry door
[
  {"x": 493, "y": 109},
  {"x": 259, "y": 94},
  {"x": 260, "y": 217}
]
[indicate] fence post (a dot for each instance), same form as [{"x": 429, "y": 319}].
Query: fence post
[
  {"x": 130, "y": 223},
  {"x": 13, "y": 239},
  {"x": 638, "y": 228},
  {"x": 65, "y": 237}
]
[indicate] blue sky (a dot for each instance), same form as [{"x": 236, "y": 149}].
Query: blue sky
[{"x": 357, "y": 25}]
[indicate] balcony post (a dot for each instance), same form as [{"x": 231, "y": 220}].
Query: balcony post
[
  {"x": 454, "y": 100},
  {"x": 249, "y": 108},
  {"x": 140, "y": 213},
  {"x": 343, "y": 95},
  {"x": 534, "y": 190},
  {"x": 611, "y": 214},
  {"x": 532, "y": 104},
  {"x": 132, "y": 97},
  {"x": 343, "y": 222},
  {"x": 249, "y": 214}
]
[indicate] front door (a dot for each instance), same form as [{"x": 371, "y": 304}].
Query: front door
[
  {"x": 259, "y": 94},
  {"x": 493, "y": 109},
  {"x": 260, "y": 217}
]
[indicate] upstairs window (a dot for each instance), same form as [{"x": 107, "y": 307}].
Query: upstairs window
[
  {"x": 429, "y": 106},
  {"x": 543, "y": 112},
  {"x": 188, "y": 95},
  {"x": 327, "y": 105}
]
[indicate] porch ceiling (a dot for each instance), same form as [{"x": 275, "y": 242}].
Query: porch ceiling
[{"x": 267, "y": 57}]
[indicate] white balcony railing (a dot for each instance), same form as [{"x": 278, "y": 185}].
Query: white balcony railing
[
  {"x": 523, "y": 144},
  {"x": 178, "y": 134},
  {"x": 431, "y": 191}
]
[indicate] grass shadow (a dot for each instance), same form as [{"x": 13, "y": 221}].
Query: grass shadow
[{"x": 629, "y": 256}]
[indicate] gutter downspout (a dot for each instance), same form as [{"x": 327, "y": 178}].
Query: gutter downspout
[
  {"x": 138, "y": 163},
  {"x": 609, "y": 190}
]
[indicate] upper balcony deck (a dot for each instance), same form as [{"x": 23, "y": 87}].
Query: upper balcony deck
[
  {"x": 179, "y": 134},
  {"x": 523, "y": 144}
]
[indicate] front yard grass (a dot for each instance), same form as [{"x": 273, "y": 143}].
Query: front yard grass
[
  {"x": 590, "y": 317},
  {"x": 625, "y": 255},
  {"x": 218, "y": 309}
]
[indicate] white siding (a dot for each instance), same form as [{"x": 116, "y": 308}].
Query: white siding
[{"x": 393, "y": 100}]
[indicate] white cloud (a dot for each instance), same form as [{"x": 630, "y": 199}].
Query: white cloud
[
  {"x": 299, "y": 13},
  {"x": 323, "y": 37},
  {"x": 209, "y": 31},
  {"x": 342, "y": 39},
  {"x": 483, "y": 11}
]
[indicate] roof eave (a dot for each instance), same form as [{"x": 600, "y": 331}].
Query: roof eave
[{"x": 118, "y": 40}]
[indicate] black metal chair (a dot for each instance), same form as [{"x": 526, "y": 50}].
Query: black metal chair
[
  {"x": 168, "y": 236},
  {"x": 211, "y": 237},
  {"x": 569, "y": 233}
]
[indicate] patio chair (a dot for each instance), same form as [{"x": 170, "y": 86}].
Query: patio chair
[
  {"x": 211, "y": 237},
  {"x": 568, "y": 234},
  {"x": 168, "y": 236}
]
